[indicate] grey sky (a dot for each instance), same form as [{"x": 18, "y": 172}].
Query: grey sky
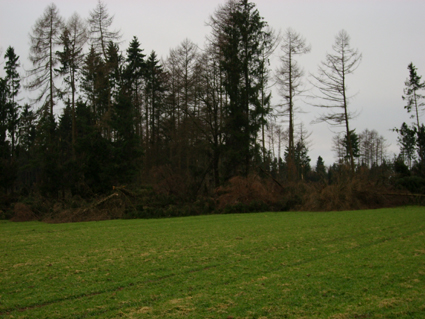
[{"x": 389, "y": 33}]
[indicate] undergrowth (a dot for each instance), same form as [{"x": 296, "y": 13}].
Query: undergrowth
[{"x": 238, "y": 195}]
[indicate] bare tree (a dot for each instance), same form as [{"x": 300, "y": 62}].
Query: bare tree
[
  {"x": 100, "y": 34},
  {"x": 373, "y": 148},
  {"x": 44, "y": 38},
  {"x": 289, "y": 79},
  {"x": 331, "y": 82},
  {"x": 73, "y": 39}
]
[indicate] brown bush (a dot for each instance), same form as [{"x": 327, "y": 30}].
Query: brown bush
[
  {"x": 350, "y": 194},
  {"x": 245, "y": 190},
  {"x": 170, "y": 182},
  {"x": 23, "y": 213},
  {"x": 107, "y": 208}
]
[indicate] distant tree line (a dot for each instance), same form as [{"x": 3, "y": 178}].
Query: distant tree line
[{"x": 187, "y": 124}]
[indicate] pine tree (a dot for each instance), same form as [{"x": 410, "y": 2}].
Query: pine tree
[
  {"x": 407, "y": 142},
  {"x": 94, "y": 83},
  {"x": 155, "y": 88},
  {"x": 240, "y": 36},
  {"x": 415, "y": 100},
  {"x": 133, "y": 75},
  {"x": 321, "y": 168},
  {"x": 13, "y": 82}
]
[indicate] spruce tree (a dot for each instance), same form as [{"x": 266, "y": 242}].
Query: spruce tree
[
  {"x": 240, "y": 35},
  {"x": 13, "y": 82}
]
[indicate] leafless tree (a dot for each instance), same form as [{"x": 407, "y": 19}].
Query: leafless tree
[
  {"x": 331, "y": 82},
  {"x": 44, "y": 39},
  {"x": 73, "y": 38},
  {"x": 289, "y": 80},
  {"x": 373, "y": 148},
  {"x": 100, "y": 34}
]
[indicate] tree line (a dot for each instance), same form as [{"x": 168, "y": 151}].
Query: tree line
[{"x": 187, "y": 124}]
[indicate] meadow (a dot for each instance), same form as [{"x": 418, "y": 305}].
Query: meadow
[{"x": 354, "y": 264}]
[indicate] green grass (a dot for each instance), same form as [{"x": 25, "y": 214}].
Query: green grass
[{"x": 362, "y": 264}]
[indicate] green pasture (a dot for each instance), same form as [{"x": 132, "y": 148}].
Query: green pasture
[{"x": 357, "y": 264}]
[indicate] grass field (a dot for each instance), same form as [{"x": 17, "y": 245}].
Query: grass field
[{"x": 361, "y": 264}]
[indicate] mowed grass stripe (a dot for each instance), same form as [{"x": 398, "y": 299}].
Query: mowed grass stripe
[{"x": 270, "y": 265}]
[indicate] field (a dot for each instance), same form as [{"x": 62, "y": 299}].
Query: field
[{"x": 358, "y": 264}]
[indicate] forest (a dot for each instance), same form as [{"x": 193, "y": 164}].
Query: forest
[{"x": 194, "y": 133}]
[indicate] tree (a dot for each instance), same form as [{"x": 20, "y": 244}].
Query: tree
[
  {"x": 155, "y": 88},
  {"x": 321, "y": 168},
  {"x": 407, "y": 142},
  {"x": 44, "y": 39},
  {"x": 100, "y": 23},
  {"x": 184, "y": 108},
  {"x": 289, "y": 79},
  {"x": 372, "y": 148},
  {"x": 133, "y": 73},
  {"x": 13, "y": 82},
  {"x": 73, "y": 39},
  {"x": 212, "y": 99},
  {"x": 94, "y": 83},
  {"x": 354, "y": 142},
  {"x": 240, "y": 35},
  {"x": 4, "y": 147},
  {"x": 414, "y": 99},
  {"x": 331, "y": 83}
]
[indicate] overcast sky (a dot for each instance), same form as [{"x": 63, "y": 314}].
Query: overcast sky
[{"x": 389, "y": 33}]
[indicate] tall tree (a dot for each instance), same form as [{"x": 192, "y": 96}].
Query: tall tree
[
  {"x": 100, "y": 34},
  {"x": 44, "y": 39},
  {"x": 13, "y": 82},
  {"x": 94, "y": 83},
  {"x": 73, "y": 39},
  {"x": 155, "y": 88},
  {"x": 331, "y": 83},
  {"x": 240, "y": 34},
  {"x": 4, "y": 148},
  {"x": 289, "y": 78},
  {"x": 213, "y": 99},
  {"x": 415, "y": 100},
  {"x": 133, "y": 73}
]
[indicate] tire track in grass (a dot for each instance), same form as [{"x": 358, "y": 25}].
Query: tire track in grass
[
  {"x": 220, "y": 265},
  {"x": 401, "y": 235},
  {"x": 111, "y": 290}
]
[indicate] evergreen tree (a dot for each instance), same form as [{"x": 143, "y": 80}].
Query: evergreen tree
[
  {"x": 13, "y": 85},
  {"x": 320, "y": 167},
  {"x": 415, "y": 100},
  {"x": 354, "y": 143},
  {"x": 240, "y": 36},
  {"x": 133, "y": 76},
  {"x": 407, "y": 142},
  {"x": 94, "y": 83},
  {"x": 155, "y": 88}
]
